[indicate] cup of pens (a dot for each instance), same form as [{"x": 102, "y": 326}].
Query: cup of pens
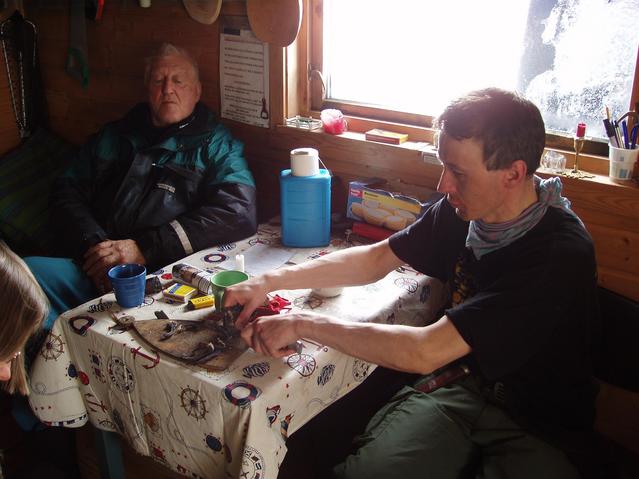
[
  {"x": 622, "y": 162},
  {"x": 622, "y": 150}
]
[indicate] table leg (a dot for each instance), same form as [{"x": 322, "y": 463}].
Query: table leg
[{"x": 109, "y": 454}]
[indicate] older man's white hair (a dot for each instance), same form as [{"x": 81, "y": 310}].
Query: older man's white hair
[{"x": 169, "y": 50}]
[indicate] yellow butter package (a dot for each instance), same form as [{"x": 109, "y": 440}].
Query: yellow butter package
[{"x": 179, "y": 292}]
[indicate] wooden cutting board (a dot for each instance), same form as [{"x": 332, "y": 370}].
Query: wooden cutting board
[
  {"x": 276, "y": 22},
  {"x": 181, "y": 345}
]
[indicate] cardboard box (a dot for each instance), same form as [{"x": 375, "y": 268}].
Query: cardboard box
[
  {"x": 384, "y": 136},
  {"x": 382, "y": 208}
]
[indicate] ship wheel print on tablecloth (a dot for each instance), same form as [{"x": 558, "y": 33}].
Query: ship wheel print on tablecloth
[
  {"x": 253, "y": 465},
  {"x": 193, "y": 403},
  {"x": 408, "y": 284},
  {"x": 304, "y": 364},
  {"x": 120, "y": 374},
  {"x": 53, "y": 347}
]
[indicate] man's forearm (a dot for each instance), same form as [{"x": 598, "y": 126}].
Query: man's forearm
[
  {"x": 405, "y": 348},
  {"x": 392, "y": 346},
  {"x": 349, "y": 267}
]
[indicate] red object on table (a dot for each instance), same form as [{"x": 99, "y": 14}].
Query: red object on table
[
  {"x": 581, "y": 130},
  {"x": 274, "y": 306}
]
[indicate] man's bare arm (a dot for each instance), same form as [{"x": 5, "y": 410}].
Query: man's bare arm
[
  {"x": 348, "y": 267},
  {"x": 405, "y": 348}
]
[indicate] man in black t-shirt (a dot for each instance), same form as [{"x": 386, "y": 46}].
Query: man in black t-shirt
[{"x": 523, "y": 277}]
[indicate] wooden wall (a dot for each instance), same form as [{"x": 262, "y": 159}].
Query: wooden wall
[
  {"x": 9, "y": 135},
  {"x": 117, "y": 46},
  {"x": 127, "y": 33}
]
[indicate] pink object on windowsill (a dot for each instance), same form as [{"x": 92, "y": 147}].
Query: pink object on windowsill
[
  {"x": 581, "y": 130},
  {"x": 333, "y": 121}
]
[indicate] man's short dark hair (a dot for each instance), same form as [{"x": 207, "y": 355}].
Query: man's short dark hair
[{"x": 509, "y": 126}]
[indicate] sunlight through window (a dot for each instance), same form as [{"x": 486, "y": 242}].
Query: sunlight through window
[{"x": 571, "y": 57}]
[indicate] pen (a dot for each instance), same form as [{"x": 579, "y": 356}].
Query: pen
[
  {"x": 610, "y": 132},
  {"x": 615, "y": 125},
  {"x": 624, "y": 128},
  {"x": 633, "y": 137}
]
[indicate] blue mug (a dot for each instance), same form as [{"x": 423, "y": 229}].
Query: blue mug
[{"x": 128, "y": 281}]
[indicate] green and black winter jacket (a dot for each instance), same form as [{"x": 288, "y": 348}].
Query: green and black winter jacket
[{"x": 174, "y": 191}]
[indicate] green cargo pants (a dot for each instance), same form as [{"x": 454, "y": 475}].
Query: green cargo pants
[{"x": 452, "y": 432}]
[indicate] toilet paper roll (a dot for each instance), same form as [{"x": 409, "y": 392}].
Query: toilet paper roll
[{"x": 304, "y": 162}]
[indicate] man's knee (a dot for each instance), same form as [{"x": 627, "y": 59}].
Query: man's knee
[{"x": 64, "y": 283}]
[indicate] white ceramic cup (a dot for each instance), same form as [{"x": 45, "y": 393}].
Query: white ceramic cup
[
  {"x": 622, "y": 162},
  {"x": 328, "y": 292}
]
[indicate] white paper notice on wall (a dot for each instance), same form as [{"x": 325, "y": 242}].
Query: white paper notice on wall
[{"x": 244, "y": 88}]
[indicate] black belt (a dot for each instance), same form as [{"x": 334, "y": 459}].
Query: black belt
[
  {"x": 442, "y": 377},
  {"x": 494, "y": 392}
]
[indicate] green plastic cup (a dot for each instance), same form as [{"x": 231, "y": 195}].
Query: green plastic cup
[{"x": 222, "y": 280}]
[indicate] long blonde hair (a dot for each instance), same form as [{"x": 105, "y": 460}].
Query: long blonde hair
[{"x": 23, "y": 307}]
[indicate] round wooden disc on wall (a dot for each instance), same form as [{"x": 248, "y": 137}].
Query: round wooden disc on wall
[{"x": 276, "y": 22}]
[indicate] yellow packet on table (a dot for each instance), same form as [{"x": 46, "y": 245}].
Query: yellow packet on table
[{"x": 179, "y": 292}]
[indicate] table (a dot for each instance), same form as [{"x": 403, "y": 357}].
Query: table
[{"x": 206, "y": 424}]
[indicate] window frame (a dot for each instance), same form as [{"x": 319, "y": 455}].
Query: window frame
[{"x": 419, "y": 127}]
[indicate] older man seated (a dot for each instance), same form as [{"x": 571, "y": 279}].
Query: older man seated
[{"x": 161, "y": 183}]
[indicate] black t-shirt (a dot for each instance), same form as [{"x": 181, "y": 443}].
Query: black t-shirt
[{"x": 528, "y": 310}]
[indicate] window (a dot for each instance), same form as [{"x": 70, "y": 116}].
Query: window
[{"x": 405, "y": 60}]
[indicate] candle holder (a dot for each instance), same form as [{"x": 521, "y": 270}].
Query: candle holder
[
  {"x": 579, "y": 140},
  {"x": 575, "y": 172},
  {"x": 579, "y": 145}
]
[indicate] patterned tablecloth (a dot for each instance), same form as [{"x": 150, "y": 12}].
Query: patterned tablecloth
[{"x": 231, "y": 423}]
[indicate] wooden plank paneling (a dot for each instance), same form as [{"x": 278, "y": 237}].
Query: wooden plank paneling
[
  {"x": 9, "y": 135},
  {"x": 617, "y": 249},
  {"x": 117, "y": 47},
  {"x": 603, "y": 196},
  {"x": 626, "y": 284}
]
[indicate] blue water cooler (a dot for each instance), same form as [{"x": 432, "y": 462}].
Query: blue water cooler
[{"x": 305, "y": 201}]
